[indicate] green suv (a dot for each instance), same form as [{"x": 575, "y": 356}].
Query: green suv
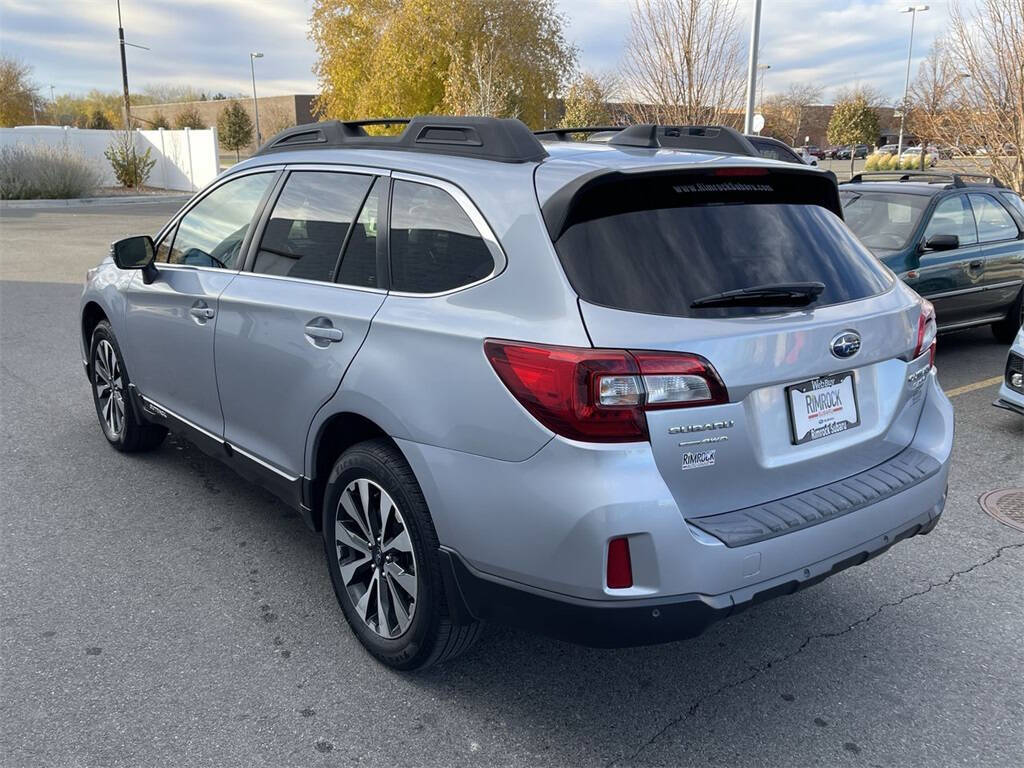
[{"x": 956, "y": 239}]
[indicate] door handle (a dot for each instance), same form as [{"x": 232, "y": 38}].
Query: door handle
[
  {"x": 976, "y": 264},
  {"x": 321, "y": 332},
  {"x": 201, "y": 312}
]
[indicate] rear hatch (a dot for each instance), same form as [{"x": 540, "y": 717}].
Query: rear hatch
[{"x": 814, "y": 361}]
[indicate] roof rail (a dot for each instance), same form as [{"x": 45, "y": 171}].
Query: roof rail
[
  {"x": 719, "y": 139},
  {"x": 487, "y": 138},
  {"x": 950, "y": 177},
  {"x": 563, "y": 134}
]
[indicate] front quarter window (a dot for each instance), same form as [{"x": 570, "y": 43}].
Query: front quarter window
[{"x": 212, "y": 232}]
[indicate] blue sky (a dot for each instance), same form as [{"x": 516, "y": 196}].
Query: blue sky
[{"x": 205, "y": 43}]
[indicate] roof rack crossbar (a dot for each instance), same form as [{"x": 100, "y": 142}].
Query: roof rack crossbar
[
  {"x": 486, "y": 138},
  {"x": 563, "y": 134},
  {"x": 955, "y": 178},
  {"x": 719, "y": 139}
]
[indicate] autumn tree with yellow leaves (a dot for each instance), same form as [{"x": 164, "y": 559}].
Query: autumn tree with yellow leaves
[{"x": 405, "y": 57}]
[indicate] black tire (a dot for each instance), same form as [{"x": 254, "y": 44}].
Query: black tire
[
  {"x": 129, "y": 435},
  {"x": 1006, "y": 329},
  {"x": 430, "y": 637}
]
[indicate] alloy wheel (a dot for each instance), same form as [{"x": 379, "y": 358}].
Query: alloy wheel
[
  {"x": 376, "y": 559},
  {"x": 109, "y": 385}
]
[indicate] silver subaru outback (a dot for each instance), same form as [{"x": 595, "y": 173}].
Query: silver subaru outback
[{"x": 611, "y": 391}]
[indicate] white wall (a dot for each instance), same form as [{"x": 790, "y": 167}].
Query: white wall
[{"x": 186, "y": 160}]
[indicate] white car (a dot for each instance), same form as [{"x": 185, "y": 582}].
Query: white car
[
  {"x": 1011, "y": 393},
  {"x": 915, "y": 153}
]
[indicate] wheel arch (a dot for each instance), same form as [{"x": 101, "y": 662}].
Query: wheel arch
[
  {"x": 92, "y": 315},
  {"x": 335, "y": 435}
]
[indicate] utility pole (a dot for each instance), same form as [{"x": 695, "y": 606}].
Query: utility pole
[
  {"x": 124, "y": 71},
  {"x": 755, "y": 32},
  {"x": 255, "y": 105},
  {"x": 912, "y": 10}
]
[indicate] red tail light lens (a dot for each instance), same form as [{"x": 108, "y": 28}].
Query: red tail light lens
[
  {"x": 600, "y": 395},
  {"x": 620, "y": 567},
  {"x": 927, "y": 331}
]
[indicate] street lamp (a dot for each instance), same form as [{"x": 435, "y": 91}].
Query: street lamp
[
  {"x": 764, "y": 71},
  {"x": 755, "y": 32},
  {"x": 255, "y": 107},
  {"x": 912, "y": 10}
]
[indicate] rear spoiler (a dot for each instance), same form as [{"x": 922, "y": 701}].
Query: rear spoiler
[{"x": 644, "y": 188}]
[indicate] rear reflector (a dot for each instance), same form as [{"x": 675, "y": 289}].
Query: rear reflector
[
  {"x": 620, "y": 569},
  {"x": 600, "y": 395}
]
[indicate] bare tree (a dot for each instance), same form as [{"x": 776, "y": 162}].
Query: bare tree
[
  {"x": 786, "y": 113},
  {"x": 932, "y": 99},
  {"x": 684, "y": 62},
  {"x": 477, "y": 83},
  {"x": 986, "y": 49}
]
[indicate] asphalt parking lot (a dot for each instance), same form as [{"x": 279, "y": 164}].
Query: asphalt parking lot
[{"x": 158, "y": 610}]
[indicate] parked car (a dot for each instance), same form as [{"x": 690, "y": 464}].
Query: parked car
[
  {"x": 914, "y": 153},
  {"x": 861, "y": 150},
  {"x": 1011, "y": 392},
  {"x": 956, "y": 239},
  {"x": 812, "y": 150},
  {"x": 774, "y": 149},
  {"x": 516, "y": 381},
  {"x": 886, "y": 149}
]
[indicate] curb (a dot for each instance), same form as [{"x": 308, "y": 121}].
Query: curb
[{"x": 83, "y": 202}]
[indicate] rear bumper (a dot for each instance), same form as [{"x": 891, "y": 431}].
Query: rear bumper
[{"x": 618, "y": 623}]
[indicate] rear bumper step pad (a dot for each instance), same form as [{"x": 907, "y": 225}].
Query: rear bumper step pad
[{"x": 819, "y": 505}]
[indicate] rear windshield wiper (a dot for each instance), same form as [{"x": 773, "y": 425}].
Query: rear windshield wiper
[{"x": 774, "y": 295}]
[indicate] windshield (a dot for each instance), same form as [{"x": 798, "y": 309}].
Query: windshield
[
  {"x": 665, "y": 260},
  {"x": 883, "y": 220}
]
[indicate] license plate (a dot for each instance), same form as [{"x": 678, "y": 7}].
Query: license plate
[{"x": 823, "y": 406}]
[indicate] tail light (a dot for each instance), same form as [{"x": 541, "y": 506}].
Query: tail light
[
  {"x": 927, "y": 330},
  {"x": 600, "y": 395}
]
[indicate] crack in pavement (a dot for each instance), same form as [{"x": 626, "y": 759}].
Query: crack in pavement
[{"x": 757, "y": 671}]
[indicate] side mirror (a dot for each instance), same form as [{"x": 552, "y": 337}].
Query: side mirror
[
  {"x": 942, "y": 243},
  {"x": 136, "y": 252}
]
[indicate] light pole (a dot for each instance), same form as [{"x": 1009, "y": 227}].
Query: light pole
[
  {"x": 255, "y": 107},
  {"x": 764, "y": 71},
  {"x": 755, "y": 31},
  {"x": 912, "y": 10}
]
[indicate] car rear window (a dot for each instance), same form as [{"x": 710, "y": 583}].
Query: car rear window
[{"x": 659, "y": 260}]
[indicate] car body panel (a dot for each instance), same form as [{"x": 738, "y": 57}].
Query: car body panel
[
  {"x": 547, "y": 520},
  {"x": 169, "y": 349},
  {"x": 757, "y": 358},
  {"x": 273, "y": 390}
]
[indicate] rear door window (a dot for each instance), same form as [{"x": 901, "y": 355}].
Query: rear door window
[
  {"x": 307, "y": 229},
  {"x": 659, "y": 260},
  {"x": 434, "y": 245}
]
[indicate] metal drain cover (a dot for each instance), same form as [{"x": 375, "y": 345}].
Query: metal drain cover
[{"x": 1006, "y": 505}]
